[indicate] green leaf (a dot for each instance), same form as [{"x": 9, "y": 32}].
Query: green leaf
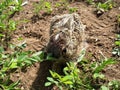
[
  {"x": 39, "y": 53},
  {"x": 66, "y": 78},
  {"x": 82, "y": 54},
  {"x": 28, "y": 62},
  {"x": 13, "y": 85},
  {"x": 104, "y": 64},
  {"x": 33, "y": 59},
  {"x": 104, "y": 88},
  {"x": 1, "y": 49},
  {"x": 55, "y": 75},
  {"x": 22, "y": 57},
  {"x": 2, "y": 26},
  {"x": 68, "y": 82},
  {"x": 2, "y": 35},
  {"x": 12, "y": 25},
  {"x": 115, "y": 84},
  {"x": 117, "y": 43},
  {"x": 13, "y": 65},
  {"x": 50, "y": 79},
  {"x": 98, "y": 75},
  {"x": 48, "y": 83},
  {"x": 72, "y": 9}
]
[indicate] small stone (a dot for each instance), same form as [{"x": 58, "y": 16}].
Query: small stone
[{"x": 119, "y": 8}]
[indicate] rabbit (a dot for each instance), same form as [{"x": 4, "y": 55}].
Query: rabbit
[{"x": 67, "y": 37}]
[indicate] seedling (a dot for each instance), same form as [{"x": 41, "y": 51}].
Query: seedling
[
  {"x": 103, "y": 7},
  {"x": 43, "y": 7},
  {"x": 116, "y": 50},
  {"x": 58, "y": 5},
  {"x": 63, "y": 4},
  {"x": 115, "y": 85},
  {"x": 72, "y": 9},
  {"x": 90, "y": 2}
]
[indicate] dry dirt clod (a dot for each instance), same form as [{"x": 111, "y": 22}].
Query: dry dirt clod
[{"x": 67, "y": 37}]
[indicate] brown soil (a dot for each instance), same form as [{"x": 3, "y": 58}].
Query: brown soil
[{"x": 100, "y": 34}]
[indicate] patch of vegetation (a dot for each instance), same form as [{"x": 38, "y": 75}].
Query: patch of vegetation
[
  {"x": 10, "y": 62},
  {"x": 90, "y": 2},
  {"x": 114, "y": 85},
  {"x": 72, "y": 9},
  {"x": 7, "y": 25},
  {"x": 116, "y": 50},
  {"x": 43, "y": 7},
  {"x": 46, "y": 7},
  {"x": 103, "y": 7},
  {"x": 86, "y": 77}
]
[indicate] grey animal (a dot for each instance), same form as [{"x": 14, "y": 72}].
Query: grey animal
[{"x": 67, "y": 38}]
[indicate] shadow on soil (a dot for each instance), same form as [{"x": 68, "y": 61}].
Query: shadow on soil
[{"x": 42, "y": 73}]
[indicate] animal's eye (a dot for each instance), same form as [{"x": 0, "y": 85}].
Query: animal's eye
[
  {"x": 75, "y": 30},
  {"x": 64, "y": 50}
]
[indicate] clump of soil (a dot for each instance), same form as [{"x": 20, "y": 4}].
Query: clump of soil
[{"x": 100, "y": 32}]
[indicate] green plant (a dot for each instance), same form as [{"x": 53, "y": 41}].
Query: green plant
[
  {"x": 7, "y": 25},
  {"x": 5, "y": 85},
  {"x": 116, "y": 50},
  {"x": 58, "y": 5},
  {"x": 48, "y": 7},
  {"x": 65, "y": 3},
  {"x": 84, "y": 78},
  {"x": 69, "y": 81},
  {"x": 90, "y": 1},
  {"x": 72, "y": 9},
  {"x": 17, "y": 59},
  {"x": 43, "y": 6},
  {"x": 62, "y": 4},
  {"x": 102, "y": 7},
  {"x": 114, "y": 85},
  {"x": 98, "y": 67}
]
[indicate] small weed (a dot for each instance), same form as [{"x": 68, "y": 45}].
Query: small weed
[
  {"x": 103, "y": 7},
  {"x": 62, "y": 4},
  {"x": 48, "y": 7},
  {"x": 114, "y": 85},
  {"x": 116, "y": 50},
  {"x": 43, "y": 7},
  {"x": 90, "y": 2},
  {"x": 72, "y": 9},
  {"x": 58, "y": 5}
]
